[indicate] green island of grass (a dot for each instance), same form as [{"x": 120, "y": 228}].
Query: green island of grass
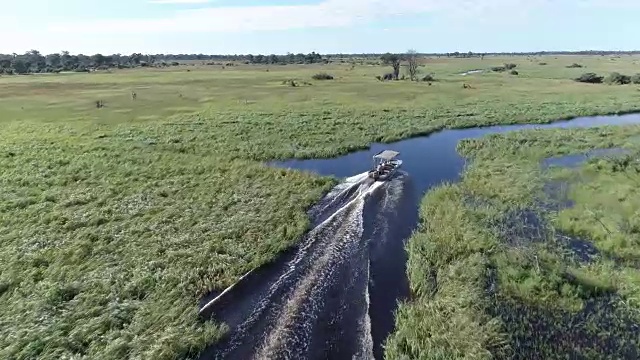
[{"x": 497, "y": 266}]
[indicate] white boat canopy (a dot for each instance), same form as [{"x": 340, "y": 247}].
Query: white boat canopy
[{"x": 387, "y": 155}]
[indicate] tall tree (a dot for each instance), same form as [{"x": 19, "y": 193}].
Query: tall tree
[
  {"x": 98, "y": 60},
  {"x": 21, "y": 65},
  {"x": 67, "y": 61},
  {"x": 394, "y": 61},
  {"x": 412, "y": 59},
  {"x": 54, "y": 60}
]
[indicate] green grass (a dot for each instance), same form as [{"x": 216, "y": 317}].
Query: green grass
[
  {"x": 530, "y": 297},
  {"x": 115, "y": 221}
]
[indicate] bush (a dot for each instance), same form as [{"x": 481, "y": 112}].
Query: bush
[
  {"x": 510, "y": 66},
  {"x": 635, "y": 79},
  {"x": 388, "y": 76},
  {"x": 514, "y": 72},
  {"x": 618, "y": 79},
  {"x": 379, "y": 77},
  {"x": 428, "y": 78},
  {"x": 574, "y": 66},
  {"x": 590, "y": 78},
  {"x": 498, "y": 68},
  {"x": 542, "y": 63},
  {"x": 322, "y": 76}
]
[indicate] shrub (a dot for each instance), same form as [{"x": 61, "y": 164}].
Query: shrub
[
  {"x": 322, "y": 76},
  {"x": 618, "y": 79},
  {"x": 635, "y": 79},
  {"x": 510, "y": 66},
  {"x": 498, "y": 68},
  {"x": 590, "y": 78},
  {"x": 514, "y": 72},
  {"x": 542, "y": 63},
  {"x": 428, "y": 78},
  {"x": 379, "y": 77},
  {"x": 574, "y": 66},
  {"x": 388, "y": 76}
]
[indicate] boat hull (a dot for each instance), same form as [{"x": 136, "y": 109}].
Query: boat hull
[{"x": 386, "y": 174}]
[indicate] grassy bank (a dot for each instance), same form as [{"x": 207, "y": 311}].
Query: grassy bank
[
  {"x": 115, "y": 220},
  {"x": 496, "y": 269}
]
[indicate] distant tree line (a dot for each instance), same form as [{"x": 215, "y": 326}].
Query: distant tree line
[
  {"x": 35, "y": 62},
  {"x": 300, "y": 58},
  {"x": 481, "y": 54}
]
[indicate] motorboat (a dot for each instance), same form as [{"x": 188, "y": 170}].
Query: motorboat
[{"x": 385, "y": 164}]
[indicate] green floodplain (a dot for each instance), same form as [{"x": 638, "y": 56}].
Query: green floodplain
[{"x": 114, "y": 221}]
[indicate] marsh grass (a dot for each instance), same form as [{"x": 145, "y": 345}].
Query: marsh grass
[
  {"x": 115, "y": 221},
  {"x": 540, "y": 298}
]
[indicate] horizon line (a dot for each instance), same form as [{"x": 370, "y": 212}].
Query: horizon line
[{"x": 540, "y": 52}]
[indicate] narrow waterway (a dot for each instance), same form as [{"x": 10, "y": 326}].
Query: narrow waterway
[{"x": 334, "y": 295}]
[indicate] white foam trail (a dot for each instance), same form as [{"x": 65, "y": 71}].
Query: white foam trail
[
  {"x": 366, "y": 339},
  {"x": 343, "y": 242},
  {"x": 357, "y": 178},
  {"x": 312, "y": 237},
  {"x": 339, "y": 192},
  {"x": 311, "y": 285}
]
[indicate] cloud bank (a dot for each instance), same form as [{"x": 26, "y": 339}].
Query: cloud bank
[
  {"x": 327, "y": 13},
  {"x": 442, "y": 24}
]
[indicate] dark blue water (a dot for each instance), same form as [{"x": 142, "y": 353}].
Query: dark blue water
[
  {"x": 575, "y": 160},
  {"x": 433, "y": 159},
  {"x": 582, "y": 250},
  {"x": 334, "y": 295},
  {"x": 429, "y": 161}
]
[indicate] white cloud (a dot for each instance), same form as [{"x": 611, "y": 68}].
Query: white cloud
[
  {"x": 447, "y": 19},
  {"x": 329, "y": 13},
  {"x": 179, "y": 1}
]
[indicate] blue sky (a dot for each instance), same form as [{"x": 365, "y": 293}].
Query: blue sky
[{"x": 326, "y": 26}]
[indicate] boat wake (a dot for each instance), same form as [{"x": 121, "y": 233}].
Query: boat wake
[{"x": 314, "y": 303}]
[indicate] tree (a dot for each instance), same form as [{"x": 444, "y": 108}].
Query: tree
[
  {"x": 54, "y": 60},
  {"x": 5, "y": 64},
  {"x": 21, "y": 66},
  {"x": 136, "y": 58},
  {"x": 412, "y": 59},
  {"x": 394, "y": 61},
  {"x": 98, "y": 60},
  {"x": 36, "y": 61},
  {"x": 67, "y": 60}
]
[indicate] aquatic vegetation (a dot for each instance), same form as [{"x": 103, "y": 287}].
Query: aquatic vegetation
[
  {"x": 543, "y": 291},
  {"x": 116, "y": 220}
]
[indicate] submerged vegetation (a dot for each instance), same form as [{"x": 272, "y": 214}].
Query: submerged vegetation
[
  {"x": 501, "y": 256},
  {"x": 117, "y": 219}
]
